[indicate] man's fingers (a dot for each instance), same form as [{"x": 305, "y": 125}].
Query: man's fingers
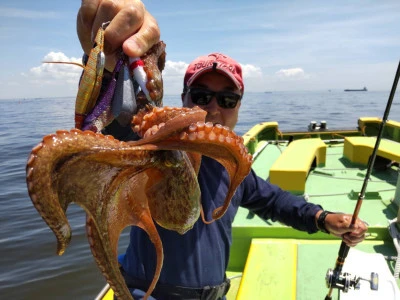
[
  {"x": 349, "y": 242},
  {"x": 131, "y": 27},
  {"x": 85, "y": 20},
  {"x": 125, "y": 24},
  {"x": 144, "y": 39}
]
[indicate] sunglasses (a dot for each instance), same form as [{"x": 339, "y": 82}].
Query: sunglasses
[{"x": 225, "y": 99}]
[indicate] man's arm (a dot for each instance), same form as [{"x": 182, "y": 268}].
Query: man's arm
[{"x": 270, "y": 202}]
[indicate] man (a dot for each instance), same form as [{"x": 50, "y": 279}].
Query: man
[{"x": 198, "y": 259}]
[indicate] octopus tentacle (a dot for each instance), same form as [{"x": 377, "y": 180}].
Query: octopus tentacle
[
  {"x": 156, "y": 117},
  {"x": 43, "y": 168},
  {"x": 113, "y": 202},
  {"x": 87, "y": 170},
  {"x": 106, "y": 263},
  {"x": 217, "y": 142},
  {"x": 147, "y": 73},
  {"x": 104, "y": 231},
  {"x": 233, "y": 156},
  {"x": 154, "y": 63},
  {"x": 148, "y": 121},
  {"x": 174, "y": 179}
]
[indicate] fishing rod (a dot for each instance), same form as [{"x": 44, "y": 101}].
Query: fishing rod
[{"x": 335, "y": 278}]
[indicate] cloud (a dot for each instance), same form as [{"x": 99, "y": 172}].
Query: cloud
[
  {"x": 251, "y": 71},
  {"x": 173, "y": 68},
  {"x": 54, "y": 73},
  {"x": 173, "y": 76},
  {"x": 294, "y": 73},
  {"x": 45, "y": 80}
]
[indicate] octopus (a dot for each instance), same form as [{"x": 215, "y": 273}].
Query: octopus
[{"x": 135, "y": 183}]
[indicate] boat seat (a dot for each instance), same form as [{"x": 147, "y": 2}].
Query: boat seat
[
  {"x": 270, "y": 271},
  {"x": 286, "y": 268},
  {"x": 291, "y": 169},
  {"x": 358, "y": 149}
]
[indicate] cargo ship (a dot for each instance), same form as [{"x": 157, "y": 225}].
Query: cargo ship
[{"x": 359, "y": 90}]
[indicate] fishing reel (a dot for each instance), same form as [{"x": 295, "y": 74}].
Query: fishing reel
[{"x": 343, "y": 282}]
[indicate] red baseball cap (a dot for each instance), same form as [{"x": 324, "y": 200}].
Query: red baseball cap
[{"x": 214, "y": 62}]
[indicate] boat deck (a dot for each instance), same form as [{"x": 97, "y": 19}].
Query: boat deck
[
  {"x": 293, "y": 264},
  {"x": 335, "y": 187}
]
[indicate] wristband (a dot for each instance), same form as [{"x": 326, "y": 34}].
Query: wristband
[{"x": 321, "y": 221}]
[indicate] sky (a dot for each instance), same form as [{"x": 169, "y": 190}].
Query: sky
[{"x": 281, "y": 45}]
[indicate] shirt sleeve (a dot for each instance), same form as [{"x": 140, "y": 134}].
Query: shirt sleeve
[{"x": 268, "y": 201}]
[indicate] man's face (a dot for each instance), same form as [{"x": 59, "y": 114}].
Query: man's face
[{"x": 215, "y": 82}]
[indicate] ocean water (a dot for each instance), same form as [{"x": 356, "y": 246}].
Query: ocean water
[{"x": 30, "y": 268}]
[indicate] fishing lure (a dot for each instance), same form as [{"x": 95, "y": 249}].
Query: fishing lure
[
  {"x": 91, "y": 79},
  {"x": 124, "y": 100},
  {"x": 102, "y": 114},
  {"x": 132, "y": 79},
  {"x": 90, "y": 83},
  {"x": 136, "y": 67}
]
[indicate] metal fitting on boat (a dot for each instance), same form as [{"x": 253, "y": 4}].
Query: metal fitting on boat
[{"x": 312, "y": 126}]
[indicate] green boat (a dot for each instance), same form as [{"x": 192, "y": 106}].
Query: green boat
[{"x": 272, "y": 261}]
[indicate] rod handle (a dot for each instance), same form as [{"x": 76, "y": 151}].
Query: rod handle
[{"x": 343, "y": 251}]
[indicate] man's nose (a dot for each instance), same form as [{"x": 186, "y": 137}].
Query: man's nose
[{"x": 213, "y": 105}]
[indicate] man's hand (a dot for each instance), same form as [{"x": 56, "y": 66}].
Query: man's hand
[
  {"x": 339, "y": 225},
  {"x": 131, "y": 27}
]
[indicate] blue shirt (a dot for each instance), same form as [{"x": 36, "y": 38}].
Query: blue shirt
[{"x": 200, "y": 256}]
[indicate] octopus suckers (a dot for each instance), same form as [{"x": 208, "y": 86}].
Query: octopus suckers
[{"x": 37, "y": 148}]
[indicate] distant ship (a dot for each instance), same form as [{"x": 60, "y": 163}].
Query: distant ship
[{"x": 360, "y": 90}]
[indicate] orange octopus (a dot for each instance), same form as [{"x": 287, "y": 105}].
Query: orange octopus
[{"x": 135, "y": 183}]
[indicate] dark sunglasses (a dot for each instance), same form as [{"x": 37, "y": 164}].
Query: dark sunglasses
[{"x": 225, "y": 99}]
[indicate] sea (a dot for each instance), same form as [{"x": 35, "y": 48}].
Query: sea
[{"x": 29, "y": 266}]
